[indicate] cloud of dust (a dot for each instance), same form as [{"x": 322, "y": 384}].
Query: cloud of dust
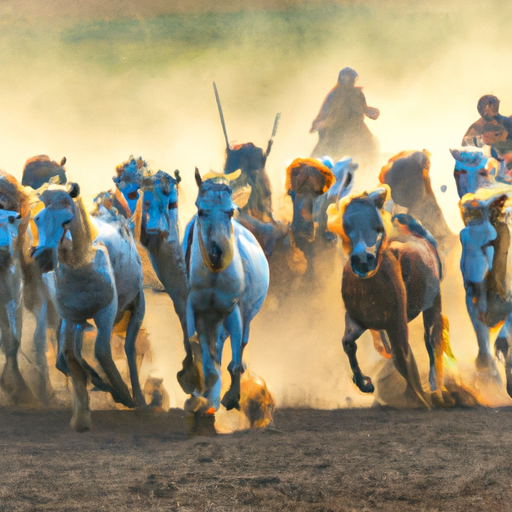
[{"x": 97, "y": 91}]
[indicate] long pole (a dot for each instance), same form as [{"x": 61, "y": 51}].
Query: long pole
[
  {"x": 219, "y": 106},
  {"x": 274, "y": 131}
]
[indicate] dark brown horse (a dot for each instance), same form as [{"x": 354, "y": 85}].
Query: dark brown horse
[
  {"x": 408, "y": 176},
  {"x": 393, "y": 274}
]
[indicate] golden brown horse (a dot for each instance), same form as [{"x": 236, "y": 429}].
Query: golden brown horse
[{"x": 393, "y": 274}]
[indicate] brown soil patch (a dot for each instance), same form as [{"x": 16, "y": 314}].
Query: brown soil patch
[{"x": 351, "y": 459}]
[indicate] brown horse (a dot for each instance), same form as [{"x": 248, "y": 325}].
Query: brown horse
[
  {"x": 408, "y": 176},
  {"x": 393, "y": 274}
]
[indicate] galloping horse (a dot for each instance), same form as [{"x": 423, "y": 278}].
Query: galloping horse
[
  {"x": 485, "y": 265},
  {"x": 96, "y": 274},
  {"x": 228, "y": 283},
  {"x": 159, "y": 234},
  {"x": 13, "y": 211},
  {"x": 408, "y": 176},
  {"x": 473, "y": 170},
  {"x": 393, "y": 274}
]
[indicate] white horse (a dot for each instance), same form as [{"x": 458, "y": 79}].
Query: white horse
[
  {"x": 96, "y": 275},
  {"x": 228, "y": 283}
]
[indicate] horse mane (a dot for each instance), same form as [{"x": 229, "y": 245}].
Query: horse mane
[
  {"x": 215, "y": 185},
  {"x": 415, "y": 228},
  {"x": 14, "y": 198},
  {"x": 140, "y": 164},
  {"x": 301, "y": 169}
]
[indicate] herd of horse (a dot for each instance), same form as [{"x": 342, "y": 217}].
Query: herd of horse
[{"x": 70, "y": 266}]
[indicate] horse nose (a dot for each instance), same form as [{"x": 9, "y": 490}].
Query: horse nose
[
  {"x": 215, "y": 254},
  {"x": 363, "y": 262}
]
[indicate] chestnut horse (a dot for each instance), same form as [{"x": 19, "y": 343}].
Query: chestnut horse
[{"x": 393, "y": 274}]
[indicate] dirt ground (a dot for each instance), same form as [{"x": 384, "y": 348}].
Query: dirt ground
[{"x": 346, "y": 459}]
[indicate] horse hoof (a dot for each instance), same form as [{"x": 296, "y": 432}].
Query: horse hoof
[
  {"x": 81, "y": 422},
  {"x": 197, "y": 404},
  {"x": 486, "y": 365},
  {"x": 441, "y": 399},
  {"x": 199, "y": 424},
  {"x": 230, "y": 401},
  {"x": 189, "y": 379},
  {"x": 364, "y": 384}
]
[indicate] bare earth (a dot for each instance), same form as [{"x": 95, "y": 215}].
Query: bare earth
[{"x": 351, "y": 459}]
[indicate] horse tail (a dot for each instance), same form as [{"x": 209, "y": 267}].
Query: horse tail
[{"x": 445, "y": 338}]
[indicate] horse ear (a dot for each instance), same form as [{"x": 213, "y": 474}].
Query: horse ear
[
  {"x": 74, "y": 190},
  {"x": 63, "y": 161},
  {"x": 498, "y": 203},
  {"x": 177, "y": 176},
  {"x": 379, "y": 196},
  {"x": 198, "y": 178}
]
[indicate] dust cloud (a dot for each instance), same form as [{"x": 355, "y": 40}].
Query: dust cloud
[{"x": 97, "y": 85}]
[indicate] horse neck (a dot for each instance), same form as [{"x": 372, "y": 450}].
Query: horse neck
[
  {"x": 168, "y": 261},
  {"x": 79, "y": 251},
  {"x": 431, "y": 215}
]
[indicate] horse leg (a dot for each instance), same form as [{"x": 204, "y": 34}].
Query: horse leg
[
  {"x": 136, "y": 317},
  {"x": 434, "y": 325},
  {"x": 233, "y": 325},
  {"x": 353, "y": 332},
  {"x": 11, "y": 379},
  {"x": 81, "y": 419},
  {"x": 504, "y": 352},
  {"x": 484, "y": 361},
  {"x": 190, "y": 377},
  {"x": 61, "y": 363},
  {"x": 44, "y": 387},
  {"x": 404, "y": 359},
  {"x": 192, "y": 381},
  {"x": 104, "y": 321}
]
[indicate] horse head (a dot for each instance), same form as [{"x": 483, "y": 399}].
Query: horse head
[
  {"x": 480, "y": 212},
  {"x": 13, "y": 206},
  {"x": 360, "y": 223},
  {"x": 343, "y": 172},
  {"x": 407, "y": 174},
  {"x": 39, "y": 170},
  {"x": 306, "y": 180},
  {"x": 53, "y": 221},
  {"x": 160, "y": 207},
  {"x": 473, "y": 171},
  {"x": 128, "y": 179},
  {"x": 215, "y": 209},
  {"x": 247, "y": 157},
  {"x": 10, "y": 218}
]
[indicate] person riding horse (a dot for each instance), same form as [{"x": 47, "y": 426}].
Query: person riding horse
[
  {"x": 495, "y": 130},
  {"x": 340, "y": 122}
]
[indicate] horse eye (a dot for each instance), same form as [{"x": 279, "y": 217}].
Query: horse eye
[
  {"x": 230, "y": 213},
  {"x": 172, "y": 206},
  {"x": 201, "y": 213}
]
